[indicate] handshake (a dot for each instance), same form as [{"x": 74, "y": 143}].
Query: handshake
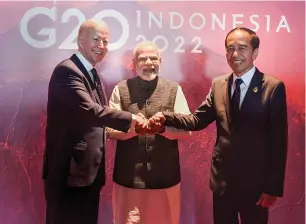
[{"x": 150, "y": 126}]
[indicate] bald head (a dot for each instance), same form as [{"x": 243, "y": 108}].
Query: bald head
[
  {"x": 93, "y": 40},
  {"x": 91, "y": 24}
]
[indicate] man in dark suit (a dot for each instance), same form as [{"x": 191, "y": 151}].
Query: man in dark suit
[
  {"x": 249, "y": 157},
  {"x": 74, "y": 167}
]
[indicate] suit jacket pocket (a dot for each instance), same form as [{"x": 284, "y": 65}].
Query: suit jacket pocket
[
  {"x": 218, "y": 179},
  {"x": 78, "y": 152},
  {"x": 77, "y": 169}
]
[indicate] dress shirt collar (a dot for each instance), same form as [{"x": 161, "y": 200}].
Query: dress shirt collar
[
  {"x": 247, "y": 77},
  {"x": 85, "y": 62}
]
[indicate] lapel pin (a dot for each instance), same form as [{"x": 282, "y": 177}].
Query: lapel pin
[{"x": 255, "y": 89}]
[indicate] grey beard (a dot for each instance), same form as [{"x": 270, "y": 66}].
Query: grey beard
[{"x": 148, "y": 77}]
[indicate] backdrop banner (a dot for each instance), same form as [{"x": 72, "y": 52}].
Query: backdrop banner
[{"x": 35, "y": 36}]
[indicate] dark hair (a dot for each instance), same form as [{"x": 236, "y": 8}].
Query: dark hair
[{"x": 254, "y": 38}]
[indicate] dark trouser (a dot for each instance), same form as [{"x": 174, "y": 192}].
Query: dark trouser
[
  {"x": 230, "y": 207},
  {"x": 77, "y": 205}
]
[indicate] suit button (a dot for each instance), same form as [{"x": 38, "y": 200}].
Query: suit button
[{"x": 149, "y": 147}]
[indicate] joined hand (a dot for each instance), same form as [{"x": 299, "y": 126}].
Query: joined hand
[{"x": 150, "y": 126}]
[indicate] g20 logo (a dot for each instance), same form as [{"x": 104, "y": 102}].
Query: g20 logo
[{"x": 68, "y": 43}]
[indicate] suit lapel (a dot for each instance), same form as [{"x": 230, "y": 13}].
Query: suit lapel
[
  {"x": 92, "y": 90},
  {"x": 253, "y": 94},
  {"x": 226, "y": 95}
]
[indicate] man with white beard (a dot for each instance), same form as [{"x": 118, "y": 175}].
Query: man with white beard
[{"x": 147, "y": 171}]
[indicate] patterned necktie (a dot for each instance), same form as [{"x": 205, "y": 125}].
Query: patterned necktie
[
  {"x": 235, "y": 101},
  {"x": 99, "y": 85}
]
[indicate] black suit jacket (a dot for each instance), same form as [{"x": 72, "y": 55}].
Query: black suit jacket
[
  {"x": 250, "y": 155},
  {"x": 75, "y": 127}
]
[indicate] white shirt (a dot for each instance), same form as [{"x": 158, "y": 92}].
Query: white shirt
[
  {"x": 88, "y": 66},
  {"x": 246, "y": 80}
]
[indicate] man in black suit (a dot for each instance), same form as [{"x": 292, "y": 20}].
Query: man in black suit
[
  {"x": 74, "y": 167},
  {"x": 249, "y": 157}
]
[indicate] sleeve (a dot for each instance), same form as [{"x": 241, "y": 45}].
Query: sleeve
[
  {"x": 68, "y": 87},
  {"x": 201, "y": 118},
  {"x": 115, "y": 103},
  {"x": 278, "y": 132},
  {"x": 181, "y": 107}
]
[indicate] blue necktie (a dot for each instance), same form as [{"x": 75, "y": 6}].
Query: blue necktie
[
  {"x": 235, "y": 101},
  {"x": 100, "y": 88}
]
